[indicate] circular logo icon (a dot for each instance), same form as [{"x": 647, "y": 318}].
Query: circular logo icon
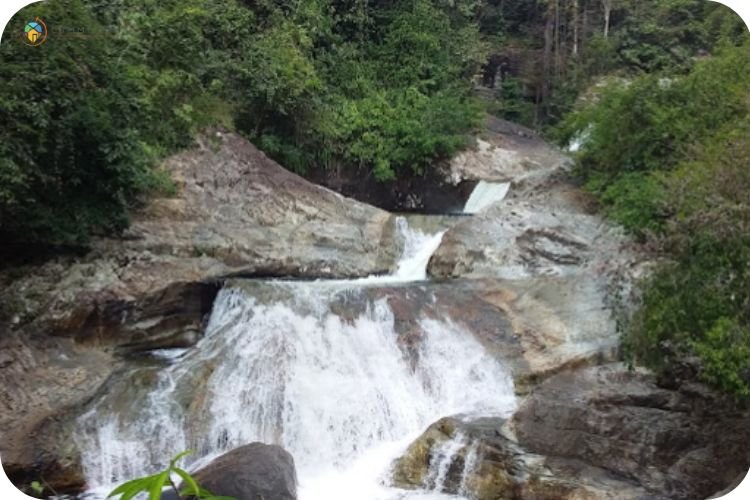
[{"x": 35, "y": 32}]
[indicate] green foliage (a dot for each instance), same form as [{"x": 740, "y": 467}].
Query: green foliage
[
  {"x": 100, "y": 109},
  {"x": 646, "y": 124},
  {"x": 600, "y": 55},
  {"x": 513, "y": 104},
  {"x": 70, "y": 158},
  {"x": 36, "y": 487},
  {"x": 397, "y": 129},
  {"x": 387, "y": 98},
  {"x": 699, "y": 304},
  {"x": 668, "y": 156},
  {"x": 633, "y": 199},
  {"x": 154, "y": 484},
  {"x": 725, "y": 352}
]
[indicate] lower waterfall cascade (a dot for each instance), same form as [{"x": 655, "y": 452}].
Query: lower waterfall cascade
[{"x": 276, "y": 365}]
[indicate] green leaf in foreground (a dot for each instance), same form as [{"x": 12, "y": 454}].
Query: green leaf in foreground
[{"x": 154, "y": 484}]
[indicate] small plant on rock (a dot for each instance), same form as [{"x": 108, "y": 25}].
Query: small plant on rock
[{"x": 154, "y": 484}]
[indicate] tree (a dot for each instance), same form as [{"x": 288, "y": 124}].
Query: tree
[{"x": 607, "y": 4}]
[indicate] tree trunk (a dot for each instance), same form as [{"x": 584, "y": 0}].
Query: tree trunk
[
  {"x": 607, "y": 4},
  {"x": 575, "y": 28},
  {"x": 549, "y": 31},
  {"x": 558, "y": 64},
  {"x": 584, "y": 22}
]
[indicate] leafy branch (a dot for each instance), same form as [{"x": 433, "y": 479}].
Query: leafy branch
[{"x": 154, "y": 484}]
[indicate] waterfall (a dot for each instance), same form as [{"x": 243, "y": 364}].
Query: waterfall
[
  {"x": 278, "y": 365},
  {"x": 441, "y": 458},
  {"x": 579, "y": 140},
  {"x": 484, "y": 195},
  {"x": 471, "y": 460},
  {"x": 418, "y": 248}
]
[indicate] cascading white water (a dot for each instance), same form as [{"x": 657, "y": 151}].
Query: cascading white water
[
  {"x": 341, "y": 395},
  {"x": 484, "y": 195},
  {"x": 412, "y": 266},
  {"x": 418, "y": 248},
  {"x": 441, "y": 460},
  {"x": 579, "y": 140},
  {"x": 470, "y": 464}
]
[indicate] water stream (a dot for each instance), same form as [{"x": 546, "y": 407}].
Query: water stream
[
  {"x": 484, "y": 195},
  {"x": 278, "y": 365}
]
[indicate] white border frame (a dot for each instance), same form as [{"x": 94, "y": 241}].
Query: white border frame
[{"x": 9, "y": 7}]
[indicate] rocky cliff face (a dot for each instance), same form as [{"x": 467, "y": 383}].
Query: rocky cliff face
[
  {"x": 599, "y": 432},
  {"x": 235, "y": 213}
]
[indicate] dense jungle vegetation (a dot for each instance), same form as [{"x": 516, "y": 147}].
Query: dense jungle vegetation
[{"x": 656, "y": 91}]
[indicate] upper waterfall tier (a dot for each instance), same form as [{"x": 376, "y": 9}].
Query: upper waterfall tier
[{"x": 484, "y": 195}]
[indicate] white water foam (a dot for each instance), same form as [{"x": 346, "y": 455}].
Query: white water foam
[
  {"x": 471, "y": 461},
  {"x": 579, "y": 140},
  {"x": 412, "y": 265},
  {"x": 442, "y": 457},
  {"x": 418, "y": 248},
  {"x": 341, "y": 395},
  {"x": 484, "y": 195}
]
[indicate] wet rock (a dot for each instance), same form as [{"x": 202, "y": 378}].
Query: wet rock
[
  {"x": 251, "y": 472},
  {"x": 560, "y": 272},
  {"x": 595, "y": 433},
  {"x": 520, "y": 237},
  {"x": 536, "y": 327},
  {"x": 673, "y": 443},
  {"x": 46, "y": 378},
  {"x": 237, "y": 213},
  {"x": 488, "y": 465}
]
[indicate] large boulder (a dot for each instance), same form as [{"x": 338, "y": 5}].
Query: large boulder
[
  {"x": 236, "y": 213},
  {"x": 255, "y": 471},
  {"x": 474, "y": 458},
  {"x": 40, "y": 380},
  {"x": 506, "y": 152},
  {"x": 540, "y": 231},
  {"x": 242, "y": 209},
  {"x": 685, "y": 443},
  {"x": 563, "y": 275},
  {"x": 596, "y": 433}
]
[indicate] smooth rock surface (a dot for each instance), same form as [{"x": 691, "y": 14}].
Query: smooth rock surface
[
  {"x": 251, "y": 472},
  {"x": 545, "y": 230},
  {"x": 686, "y": 443},
  {"x": 564, "y": 272},
  {"x": 506, "y": 152},
  {"x": 237, "y": 213}
]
